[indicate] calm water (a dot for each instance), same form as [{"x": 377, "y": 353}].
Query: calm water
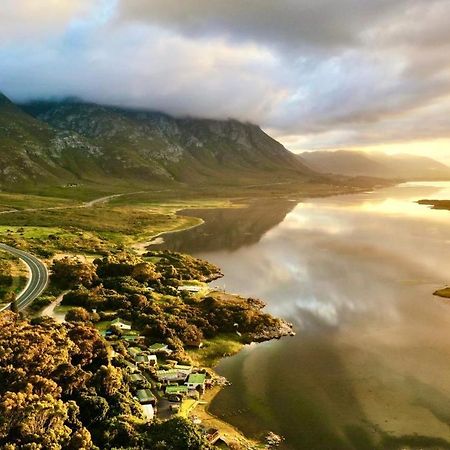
[{"x": 370, "y": 365}]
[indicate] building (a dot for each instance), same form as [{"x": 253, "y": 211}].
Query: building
[
  {"x": 146, "y": 397},
  {"x": 149, "y": 412},
  {"x": 190, "y": 288},
  {"x": 196, "y": 381},
  {"x": 176, "y": 390},
  {"x": 137, "y": 378},
  {"x": 150, "y": 360},
  {"x": 177, "y": 374},
  {"x": 134, "y": 351},
  {"x": 122, "y": 324},
  {"x": 160, "y": 348}
]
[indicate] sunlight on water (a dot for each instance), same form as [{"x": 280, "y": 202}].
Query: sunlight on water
[{"x": 355, "y": 274}]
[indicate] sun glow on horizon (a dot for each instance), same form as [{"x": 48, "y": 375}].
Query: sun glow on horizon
[{"x": 438, "y": 149}]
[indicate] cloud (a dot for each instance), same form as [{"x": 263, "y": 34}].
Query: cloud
[{"x": 322, "y": 73}]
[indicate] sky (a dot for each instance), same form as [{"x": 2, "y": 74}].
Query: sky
[{"x": 315, "y": 74}]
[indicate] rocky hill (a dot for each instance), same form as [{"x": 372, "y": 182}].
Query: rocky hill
[
  {"x": 31, "y": 151},
  {"x": 66, "y": 142}
]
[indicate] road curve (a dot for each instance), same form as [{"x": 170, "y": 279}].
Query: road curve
[{"x": 37, "y": 281}]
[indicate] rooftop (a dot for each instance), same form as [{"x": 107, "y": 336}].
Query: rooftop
[
  {"x": 137, "y": 377},
  {"x": 119, "y": 320},
  {"x": 196, "y": 378},
  {"x": 157, "y": 346},
  {"x": 145, "y": 395},
  {"x": 176, "y": 390}
]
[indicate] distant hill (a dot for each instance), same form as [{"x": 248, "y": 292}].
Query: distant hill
[
  {"x": 62, "y": 142},
  {"x": 380, "y": 165}
]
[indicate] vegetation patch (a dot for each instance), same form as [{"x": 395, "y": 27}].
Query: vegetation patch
[
  {"x": 60, "y": 389},
  {"x": 436, "y": 204},
  {"x": 13, "y": 276},
  {"x": 149, "y": 293},
  {"x": 445, "y": 292}
]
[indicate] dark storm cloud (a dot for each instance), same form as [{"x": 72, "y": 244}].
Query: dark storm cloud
[
  {"x": 323, "y": 72},
  {"x": 290, "y": 23}
]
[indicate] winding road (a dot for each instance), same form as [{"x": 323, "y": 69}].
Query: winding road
[{"x": 37, "y": 281}]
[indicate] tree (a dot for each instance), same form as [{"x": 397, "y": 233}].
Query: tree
[
  {"x": 80, "y": 440},
  {"x": 93, "y": 408},
  {"x": 145, "y": 272},
  {"x": 176, "y": 434},
  {"x": 70, "y": 271},
  {"x": 27, "y": 417},
  {"x": 78, "y": 314},
  {"x": 108, "y": 380}
]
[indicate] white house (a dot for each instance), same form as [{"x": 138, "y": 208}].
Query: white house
[
  {"x": 122, "y": 324},
  {"x": 149, "y": 412},
  {"x": 196, "y": 381}
]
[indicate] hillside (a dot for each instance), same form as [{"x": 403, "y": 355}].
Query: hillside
[
  {"x": 59, "y": 143},
  {"x": 353, "y": 163},
  {"x": 32, "y": 152},
  {"x": 144, "y": 147}
]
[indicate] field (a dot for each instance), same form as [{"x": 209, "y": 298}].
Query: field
[{"x": 97, "y": 219}]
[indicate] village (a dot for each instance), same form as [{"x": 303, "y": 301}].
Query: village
[{"x": 163, "y": 386}]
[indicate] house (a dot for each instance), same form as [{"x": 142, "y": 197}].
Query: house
[
  {"x": 183, "y": 368},
  {"x": 196, "y": 381},
  {"x": 139, "y": 381},
  {"x": 160, "y": 348},
  {"x": 146, "y": 397},
  {"x": 190, "y": 288},
  {"x": 137, "y": 378},
  {"x": 150, "y": 360},
  {"x": 176, "y": 389},
  {"x": 212, "y": 435},
  {"x": 134, "y": 351},
  {"x": 178, "y": 373},
  {"x": 149, "y": 412},
  {"x": 175, "y": 393},
  {"x": 122, "y": 324},
  {"x": 132, "y": 338}
]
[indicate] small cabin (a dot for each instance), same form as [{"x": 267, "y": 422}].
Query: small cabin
[
  {"x": 196, "y": 381},
  {"x": 150, "y": 360},
  {"x": 149, "y": 412},
  {"x": 146, "y": 397},
  {"x": 121, "y": 324},
  {"x": 160, "y": 348}
]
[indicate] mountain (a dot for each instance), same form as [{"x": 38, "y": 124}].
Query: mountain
[
  {"x": 32, "y": 151},
  {"x": 67, "y": 141},
  {"x": 379, "y": 165}
]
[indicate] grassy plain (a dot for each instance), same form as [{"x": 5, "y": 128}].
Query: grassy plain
[{"x": 69, "y": 220}]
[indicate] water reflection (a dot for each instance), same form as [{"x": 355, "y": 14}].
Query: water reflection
[
  {"x": 368, "y": 368},
  {"x": 228, "y": 228}
]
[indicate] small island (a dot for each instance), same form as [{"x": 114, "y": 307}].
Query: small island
[
  {"x": 442, "y": 205},
  {"x": 436, "y": 204},
  {"x": 445, "y": 292}
]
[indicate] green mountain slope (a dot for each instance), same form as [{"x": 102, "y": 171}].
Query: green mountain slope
[
  {"x": 32, "y": 152},
  {"x": 145, "y": 146}
]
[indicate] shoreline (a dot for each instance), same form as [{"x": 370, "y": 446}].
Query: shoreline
[
  {"x": 201, "y": 409},
  {"x": 141, "y": 247}
]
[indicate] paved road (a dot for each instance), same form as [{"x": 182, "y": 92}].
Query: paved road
[{"x": 37, "y": 281}]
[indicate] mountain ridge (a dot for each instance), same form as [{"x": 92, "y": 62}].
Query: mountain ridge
[
  {"x": 70, "y": 141},
  {"x": 376, "y": 164}
]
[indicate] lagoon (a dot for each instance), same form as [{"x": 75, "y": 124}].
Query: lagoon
[{"x": 369, "y": 367}]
